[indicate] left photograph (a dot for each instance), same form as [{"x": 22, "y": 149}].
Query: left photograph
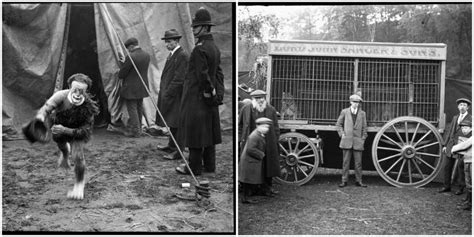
[{"x": 118, "y": 117}]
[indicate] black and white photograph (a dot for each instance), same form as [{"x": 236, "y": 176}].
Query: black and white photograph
[
  {"x": 118, "y": 117},
  {"x": 388, "y": 86}
]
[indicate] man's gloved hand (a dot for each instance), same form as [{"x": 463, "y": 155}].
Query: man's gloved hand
[{"x": 59, "y": 129}]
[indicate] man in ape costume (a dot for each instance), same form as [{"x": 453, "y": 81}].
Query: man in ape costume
[{"x": 71, "y": 113}]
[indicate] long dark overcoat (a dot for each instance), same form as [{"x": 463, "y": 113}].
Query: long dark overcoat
[
  {"x": 247, "y": 118},
  {"x": 451, "y": 137},
  {"x": 132, "y": 87},
  {"x": 171, "y": 88},
  {"x": 200, "y": 121},
  {"x": 251, "y": 160}
]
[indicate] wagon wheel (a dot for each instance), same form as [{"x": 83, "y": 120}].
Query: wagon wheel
[
  {"x": 407, "y": 152},
  {"x": 299, "y": 159}
]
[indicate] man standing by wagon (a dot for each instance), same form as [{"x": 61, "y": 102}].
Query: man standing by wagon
[
  {"x": 259, "y": 108},
  {"x": 352, "y": 129},
  {"x": 171, "y": 88},
  {"x": 451, "y": 139},
  {"x": 133, "y": 91},
  {"x": 203, "y": 92}
]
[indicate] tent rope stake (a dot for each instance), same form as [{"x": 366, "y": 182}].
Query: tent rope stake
[{"x": 149, "y": 93}]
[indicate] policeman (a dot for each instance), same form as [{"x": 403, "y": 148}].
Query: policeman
[{"x": 203, "y": 92}]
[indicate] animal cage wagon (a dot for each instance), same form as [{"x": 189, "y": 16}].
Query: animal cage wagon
[{"x": 402, "y": 85}]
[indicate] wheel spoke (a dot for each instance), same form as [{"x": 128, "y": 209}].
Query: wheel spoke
[
  {"x": 301, "y": 151},
  {"x": 296, "y": 176},
  {"x": 289, "y": 144},
  {"x": 418, "y": 168},
  {"x": 428, "y": 154},
  {"x": 390, "y": 139},
  {"x": 406, "y": 132},
  {"x": 421, "y": 139},
  {"x": 391, "y": 167},
  {"x": 424, "y": 162},
  {"x": 306, "y": 156},
  {"x": 427, "y": 145},
  {"x": 296, "y": 147},
  {"x": 401, "y": 169},
  {"x": 409, "y": 172},
  {"x": 286, "y": 175},
  {"x": 389, "y": 148},
  {"x": 390, "y": 157},
  {"x": 283, "y": 149},
  {"x": 414, "y": 134},
  {"x": 305, "y": 163},
  {"x": 398, "y": 135},
  {"x": 305, "y": 174}
]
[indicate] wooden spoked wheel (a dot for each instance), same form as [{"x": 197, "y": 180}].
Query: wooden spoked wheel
[
  {"x": 407, "y": 152},
  {"x": 299, "y": 159}
]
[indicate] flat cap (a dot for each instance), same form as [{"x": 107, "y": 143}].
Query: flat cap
[
  {"x": 463, "y": 100},
  {"x": 355, "y": 98},
  {"x": 258, "y": 93},
  {"x": 466, "y": 122},
  {"x": 131, "y": 41},
  {"x": 263, "y": 120}
]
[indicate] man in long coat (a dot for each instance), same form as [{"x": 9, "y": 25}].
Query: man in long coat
[
  {"x": 203, "y": 92},
  {"x": 352, "y": 128},
  {"x": 133, "y": 91},
  {"x": 171, "y": 88},
  {"x": 248, "y": 115},
  {"x": 451, "y": 139}
]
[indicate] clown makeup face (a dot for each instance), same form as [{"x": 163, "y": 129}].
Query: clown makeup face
[
  {"x": 171, "y": 44},
  {"x": 77, "y": 92},
  {"x": 263, "y": 128},
  {"x": 463, "y": 107}
]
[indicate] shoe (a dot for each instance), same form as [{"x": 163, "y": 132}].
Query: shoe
[
  {"x": 444, "y": 190},
  {"x": 273, "y": 191},
  {"x": 459, "y": 192},
  {"x": 342, "y": 185},
  {"x": 172, "y": 156},
  {"x": 182, "y": 169},
  {"x": 165, "y": 148},
  {"x": 359, "y": 184}
]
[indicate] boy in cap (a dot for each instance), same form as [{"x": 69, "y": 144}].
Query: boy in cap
[
  {"x": 171, "y": 88},
  {"x": 352, "y": 128},
  {"x": 251, "y": 160},
  {"x": 464, "y": 148},
  {"x": 133, "y": 91},
  {"x": 451, "y": 138}
]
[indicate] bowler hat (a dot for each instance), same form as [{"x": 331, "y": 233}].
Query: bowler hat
[
  {"x": 202, "y": 17},
  {"x": 466, "y": 122},
  {"x": 171, "y": 34},
  {"x": 463, "y": 100},
  {"x": 355, "y": 98},
  {"x": 263, "y": 120},
  {"x": 258, "y": 93},
  {"x": 131, "y": 41},
  {"x": 37, "y": 131}
]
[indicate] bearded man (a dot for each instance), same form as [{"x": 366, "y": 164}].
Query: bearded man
[{"x": 248, "y": 115}]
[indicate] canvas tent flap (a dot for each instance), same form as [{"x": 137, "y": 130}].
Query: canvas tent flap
[{"x": 32, "y": 39}]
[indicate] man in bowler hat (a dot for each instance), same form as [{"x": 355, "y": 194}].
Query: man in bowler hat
[
  {"x": 171, "y": 88},
  {"x": 352, "y": 128},
  {"x": 133, "y": 91},
  {"x": 203, "y": 92},
  {"x": 451, "y": 138}
]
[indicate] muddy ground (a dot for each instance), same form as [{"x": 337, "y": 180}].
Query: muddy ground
[
  {"x": 130, "y": 188},
  {"x": 321, "y": 207}
]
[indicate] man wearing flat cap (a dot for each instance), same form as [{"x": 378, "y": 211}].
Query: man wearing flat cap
[
  {"x": 133, "y": 91},
  {"x": 259, "y": 108},
  {"x": 171, "y": 88},
  {"x": 451, "y": 138},
  {"x": 464, "y": 149},
  {"x": 251, "y": 161},
  {"x": 203, "y": 92},
  {"x": 352, "y": 129}
]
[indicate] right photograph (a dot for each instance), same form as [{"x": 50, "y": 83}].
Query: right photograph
[{"x": 354, "y": 119}]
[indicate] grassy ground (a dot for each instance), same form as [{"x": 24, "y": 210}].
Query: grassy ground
[
  {"x": 321, "y": 207},
  {"x": 130, "y": 188}
]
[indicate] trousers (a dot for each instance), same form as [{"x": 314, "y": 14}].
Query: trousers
[{"x": 346, "y": 162}]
